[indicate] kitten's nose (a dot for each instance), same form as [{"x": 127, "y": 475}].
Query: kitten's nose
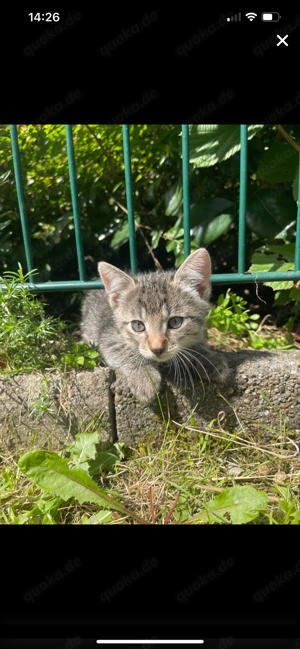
[{"x": 157, "y": 350}]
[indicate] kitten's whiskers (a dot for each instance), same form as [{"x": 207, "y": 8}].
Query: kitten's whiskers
[
  {"x": 195, "y": 368},
  {"x": 180, "y": 360},
  {"x": 187, "y": 351},
  {"x": 177, "y": 378},
  {"x": 188, "y": 371},
  {"x": 203, "y": 356}
]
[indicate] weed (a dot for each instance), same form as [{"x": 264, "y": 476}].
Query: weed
[
  {"x": 30, "y": 340},
  {"x": 41, "y": 404},
  {"x": 235, "y": 318}
]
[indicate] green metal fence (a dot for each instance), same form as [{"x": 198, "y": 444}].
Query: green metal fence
[{"x": 82, "y": 283}]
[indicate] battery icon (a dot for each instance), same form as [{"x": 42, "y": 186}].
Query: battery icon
[{"x": 271, "y": 17}]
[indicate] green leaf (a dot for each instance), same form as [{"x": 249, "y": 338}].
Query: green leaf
[
  {"x": 295, "y": 184},
  {"x": 3, "y": 177},
  {"x": 173, "y": 199},
  {"x": 51, "y": 473},
  {"x": 268, "y": 212},
  {"x": 80, "y": 360},
  {"x": 91, "y": 353},
  {"x": 281, "y": 297},
  {"x": 256, "y": 341},
  {"x": 231, "y": 167},
  {"x": 271, "y": 258},
  {"x": 255, "y": 153},
  {"x": 179, "y": 259},
  {"x": 70, "y": 360},
  {"x": 56, "y": 148},
  {"x": 242, "y": 503},
  {"x": 122, "y": 234},
  {"x": 209, "y": 218},
  {"x": 211, "y": 143},
  {"x": 4, "y": 224},
  {"x": 104, "y": 459},
  {"x": 89, "y": 364},
  {"x": 155, "y": 237},
  {"x": 295, "y": 294},
  {"x": 104, "y": 516},
  {"x": 279, "y": 163},
  {"x": 83, "y": 447}
]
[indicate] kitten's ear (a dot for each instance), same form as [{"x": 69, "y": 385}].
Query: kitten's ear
[
  {"x": 115, "y": 281},
  {"x": 195, "y": 273}
]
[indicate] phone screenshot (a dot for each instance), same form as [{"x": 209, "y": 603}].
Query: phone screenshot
[{"x": 150, "y": 326}]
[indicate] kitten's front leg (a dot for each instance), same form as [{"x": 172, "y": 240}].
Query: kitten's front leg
[
  {"x": 140, "y": 384},
  {"x": 130, "y": 366}
]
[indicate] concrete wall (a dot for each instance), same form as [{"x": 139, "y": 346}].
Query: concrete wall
[{"x": 56, "y": 408}]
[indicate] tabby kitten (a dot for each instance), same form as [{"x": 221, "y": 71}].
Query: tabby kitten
[{"x": 152, "y": 319}]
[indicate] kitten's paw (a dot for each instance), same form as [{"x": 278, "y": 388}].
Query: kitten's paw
[
  {"x": 143, "y": 390},
  {"x": 144, "y": 394},
  {"x": 139, "y": 384}
]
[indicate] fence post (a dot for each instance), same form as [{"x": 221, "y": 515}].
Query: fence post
[
  {"x": 242, "y": 198},
  {"x": 186, "y": 189},
  {"x": 297, "y": 245},
  {"x": 21, "y": 197},
  {"x": 75, "y": 203},
  {"x": 129, "y": 198}
]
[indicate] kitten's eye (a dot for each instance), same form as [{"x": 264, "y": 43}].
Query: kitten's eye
[
  {"x": 175, "y": 323},
  {"x": 137, "y": 325}
]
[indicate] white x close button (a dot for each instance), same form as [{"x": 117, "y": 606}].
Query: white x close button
[{"x": 282, "y": 40}]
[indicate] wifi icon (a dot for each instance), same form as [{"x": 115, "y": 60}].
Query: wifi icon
[{"x": 251, "y": 16}]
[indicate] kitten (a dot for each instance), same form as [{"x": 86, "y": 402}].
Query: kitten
[{"x": 154, "y": 319}]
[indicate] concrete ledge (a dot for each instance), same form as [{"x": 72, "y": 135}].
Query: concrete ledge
[
  {"x": 74, "y": 400},
  {"x": 275, "y": 373},
  {"x": 56, "y": 408}
]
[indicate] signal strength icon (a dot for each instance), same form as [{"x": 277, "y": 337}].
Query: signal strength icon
[
  {"x": 251, "y": 16},
  {"x": 235, "y": 18}
]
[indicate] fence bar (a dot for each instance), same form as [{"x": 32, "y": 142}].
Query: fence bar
[
  {"x": 252, "y": 277},
  {"x": 186, "y": 189},
  {"x": 297, "y": 246},
  {"x": 242, "y": 198},
  {"x": 75, "y": 203},
  {"x": 228, "y": 278},
  {"x": 21, "y": 197},
  {"x": 129, "y": 198},
  {"x": 75, "y": 285}
]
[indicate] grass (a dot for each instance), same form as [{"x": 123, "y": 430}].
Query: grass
[
  {"x": 181, "y": 475},
  {"x": 186, "y": 476}
]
